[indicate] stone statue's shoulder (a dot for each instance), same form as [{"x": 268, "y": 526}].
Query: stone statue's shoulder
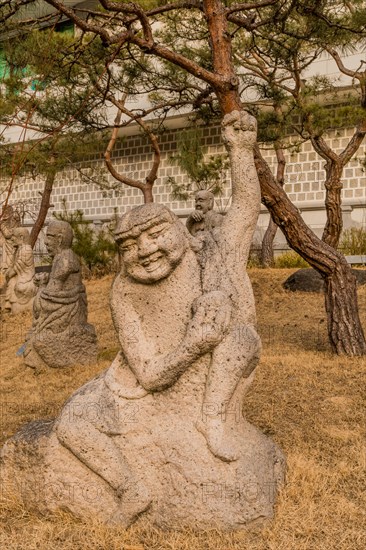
[
  {"x": 214, "y": 217},
  {"x": 69, "y": 258}
]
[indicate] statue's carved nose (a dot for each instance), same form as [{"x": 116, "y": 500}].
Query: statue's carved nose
[{"x": 146, "y": 246}]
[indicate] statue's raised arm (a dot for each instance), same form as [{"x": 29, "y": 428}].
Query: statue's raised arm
[{"x": 239, "y": 132}]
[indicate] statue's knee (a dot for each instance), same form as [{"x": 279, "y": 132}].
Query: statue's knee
[
  {"x": 63, "y": 430},
  {"x": 69, "y": 426}
]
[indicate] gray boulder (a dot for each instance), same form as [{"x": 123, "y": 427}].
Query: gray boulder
[{"x": 309, "y": 280}]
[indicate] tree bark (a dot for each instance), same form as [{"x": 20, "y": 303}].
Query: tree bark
[
  {"x": 344, "y": 328},
  {"x": 44, "y": 207},
  {"x": 267, "y": 254},
  {"x": 345, "y": 331},
  {"x": 148, "y": 193},
  {"x": 333, "y": 203}
]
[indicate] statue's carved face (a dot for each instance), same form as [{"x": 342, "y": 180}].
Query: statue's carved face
[
  {"x": 17, "y": 238},
  {"x": 203, "y": 202},
  {"x": 154, "y": 252},
  {"x": 53, "y": 241}
]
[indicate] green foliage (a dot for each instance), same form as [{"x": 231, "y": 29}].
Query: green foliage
[
  {"x": 96, "y": 249},
  {"x": 203, "y": 174},
  {"x": 353, "y": 241},
  {"x": 254, "y": 258},
  {"x": 290, "y": 259}
]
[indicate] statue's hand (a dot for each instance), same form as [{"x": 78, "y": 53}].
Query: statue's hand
[
  {"x": 10, "y": 273},
  {"x": 197, "y": 215},
  {"x": 210, "y": 322},
  {"x": 239, "y": 128}
]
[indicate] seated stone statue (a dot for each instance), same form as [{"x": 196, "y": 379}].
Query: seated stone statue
[
  {"x": 161, "y": 432},
  {"x": 20, "y": 289},
  {"x": 60, "y": 335},
  {"x": 204, "y": 218}
]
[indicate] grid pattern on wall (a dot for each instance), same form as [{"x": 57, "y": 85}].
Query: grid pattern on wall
[{"x": 133, "y": 156}]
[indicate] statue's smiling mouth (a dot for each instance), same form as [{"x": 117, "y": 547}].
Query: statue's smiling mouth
[{"x": 152, "y": 262}]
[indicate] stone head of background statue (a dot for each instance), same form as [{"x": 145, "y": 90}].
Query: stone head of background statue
[
  {"x": 203, "y": 218},
  {"x": 8, "y": 213},
  {"x": 152, "y": 242},
  {"x": 59, "y": 237},
  {"x": 204, "y": 201},
  {"x": 20, "y": 237}
]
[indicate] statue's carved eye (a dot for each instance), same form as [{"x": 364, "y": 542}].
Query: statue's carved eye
[
  {"x": 156, "y": 231},
  {"x": 155, "y": 234},
  {"x": 128, "y": 245}
]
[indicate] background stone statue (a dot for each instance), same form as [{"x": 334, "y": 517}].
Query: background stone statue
[
  {"x": 204, "y": 218},
  {"x": 9, "y": 221},
  {"x": 60, "y": 335},
  {"x": 161, "y": 432},
  {"x": 20, "y": 290}
]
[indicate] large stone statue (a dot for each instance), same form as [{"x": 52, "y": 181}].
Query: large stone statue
[
  {"x": 204, "y": 218},
  {"x": 20, "y": 290},
  {"x": 60, "y": 335},
  {"x": 161, "y": 432}
]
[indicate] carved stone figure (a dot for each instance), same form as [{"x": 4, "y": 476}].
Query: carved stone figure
[
  {"x": 204, "y": 218},
  {"x": 20, "y": 290},
  {"x": 9, "y": 221},
  {"x": 161, "y": 432},
  {"x": 60, "y": 335}
]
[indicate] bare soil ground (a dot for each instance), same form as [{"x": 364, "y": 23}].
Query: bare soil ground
[{"x": 311, "y": 402}]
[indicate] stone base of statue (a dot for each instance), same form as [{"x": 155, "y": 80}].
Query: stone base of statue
[
  {"x": 76, "y": 346},
  {"x": 175, "y": 479}
]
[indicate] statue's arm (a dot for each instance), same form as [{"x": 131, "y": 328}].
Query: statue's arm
[
  {"x": 24, "y": 259},
  {"x": 156, "y": 371},
  {"x": 189, "y": 222},
  {"x": 239, "y": 134},
  {"x": 6, "y": 230},
  {"x": 64, "y": 264}
]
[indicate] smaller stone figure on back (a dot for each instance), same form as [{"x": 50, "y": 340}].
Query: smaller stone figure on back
[
  {"x": 20, "y": 289},
  {"x": 204, "y": 218},
  {"x": 60, "y": 335}
]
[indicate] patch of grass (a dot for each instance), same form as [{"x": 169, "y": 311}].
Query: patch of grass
[
  {"x": 353, "y": 241},
  {"x": 290, "y": 259}
]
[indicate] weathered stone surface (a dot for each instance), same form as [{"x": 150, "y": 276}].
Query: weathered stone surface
[
  {"x": 60, "y": 334},
  {"x": 309, "y": 280},
  {"x": 19, "y": 287},
  {"x": 161, "y": 432},
  {"x": 204, "y": 218}
]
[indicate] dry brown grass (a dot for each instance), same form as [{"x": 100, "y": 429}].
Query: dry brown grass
[{"x": 311, "y": 402}]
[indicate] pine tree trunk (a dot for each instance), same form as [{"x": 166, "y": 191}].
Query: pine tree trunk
[
  {"x": 267, "y": 255},
  {"x": 344, "y": 327},
  {"x": 345, "y": 335},
  {"x": 43, "y": 210},
  {"x": 148, "y": 194},
  {"x": 333, "y": 203}
]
